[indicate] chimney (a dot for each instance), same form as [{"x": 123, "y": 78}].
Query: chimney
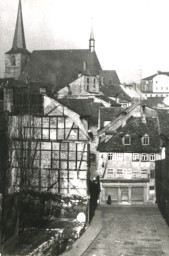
[
  {"x": 143, "y": 119},
  {"x": 84, "y": 66}
]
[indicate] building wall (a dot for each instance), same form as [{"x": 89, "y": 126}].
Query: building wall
[
  {"x": 126, "y": 163},
  {"x": 82, "y": 85},
  {"x": 124, "y": 168},
  {"x": 48, "y": 153},
  {"x": 161, "y": 83}
]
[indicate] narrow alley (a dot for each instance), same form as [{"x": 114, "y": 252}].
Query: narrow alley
[{"x": 130, "y": 231}]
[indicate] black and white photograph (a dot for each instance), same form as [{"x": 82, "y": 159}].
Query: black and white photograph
[{"x": 84, "y": 128}]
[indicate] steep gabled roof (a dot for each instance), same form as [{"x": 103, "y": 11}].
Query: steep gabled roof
[
  {"x": 108, "y": 114},
  {"x": 60, "y": 67},
  {"x": 84, "y": 107},
  {"x": 153, "y": 101},
  {"x": 115, "y": 91},
  {"x": 110, "y": 77},
  {"x": 152, "y": 76},
  {"x": 127, "y": 112},
  {"x": 136, "y": 129}
]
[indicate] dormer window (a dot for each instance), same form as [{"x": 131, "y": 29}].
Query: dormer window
[
  {"x": 127, "y": 140},
  {"x": 145, "y": 140},
  {"x": 13, "y": 60}
]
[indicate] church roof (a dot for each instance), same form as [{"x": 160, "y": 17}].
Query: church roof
[
  {"x": 110, "y": 77},
  {"x": 19, "y": 44},
  {"x": 60, "y": 67}
]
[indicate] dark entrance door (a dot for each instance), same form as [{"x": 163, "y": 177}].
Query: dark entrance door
[
  {"x": 137, "y": 194},
  {"x": 124, "y": 195}
]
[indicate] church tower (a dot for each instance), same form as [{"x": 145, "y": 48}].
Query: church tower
[
  {"x": 16, "y": 58},
  {"x": 92, "y": 42}
]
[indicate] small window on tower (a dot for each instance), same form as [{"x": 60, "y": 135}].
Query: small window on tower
[{"x": 13, "y": 61}]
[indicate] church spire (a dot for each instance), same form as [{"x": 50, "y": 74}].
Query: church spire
[
  {"x": 92, "y": 42},
  {"x": 19, "y": 36},
  {"x": 17, "y": 57}
]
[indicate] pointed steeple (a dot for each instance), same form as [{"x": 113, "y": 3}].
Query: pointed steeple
[
  {"x": 19, "y": 36},
  {"x": 16, "y": 58},
  {"x": 92, "y": 42}
]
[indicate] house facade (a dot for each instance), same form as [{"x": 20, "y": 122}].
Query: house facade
[
  {"x": 156, "y": 85},
  {"x": 127, "y": 161},
  {"x": 83, "y": 86},
  {"x": 49, "y": 151}
]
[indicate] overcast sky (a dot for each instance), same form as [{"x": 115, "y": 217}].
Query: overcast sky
[{"x": 130, "y": 34}]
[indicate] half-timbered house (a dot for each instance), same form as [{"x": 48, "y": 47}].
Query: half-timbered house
[{"x": 49, "y": 150}]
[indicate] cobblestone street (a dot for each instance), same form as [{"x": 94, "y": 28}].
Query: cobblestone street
[{"x": 131, "y": 231}]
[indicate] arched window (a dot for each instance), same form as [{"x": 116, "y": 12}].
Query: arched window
[{"x": 13, "y": 61}]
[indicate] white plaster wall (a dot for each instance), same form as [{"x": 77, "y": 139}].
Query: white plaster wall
[
  {"x": 126, "y": 164},
  {"x": 159, "y": 82}
]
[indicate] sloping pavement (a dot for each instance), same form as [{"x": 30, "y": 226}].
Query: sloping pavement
[
  {"x": 81, "y": 244},
  {"x": 124, "y": 231}
]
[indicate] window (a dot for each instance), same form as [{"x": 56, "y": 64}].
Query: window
[
  {"x": 119, "y": 172},
  {"x": 152, "y": 188},
  {"x": 152, "y": 174},
  {"x": 156, "y": 88},
  {"x": 120, "y": 156},
  {"x": 94, "y": 83},
  {"x": 13, "y": 61},
  {"x": 111, "y": 156},
  {"x": 110, "y": 173},
  {"x": 127, "y": 140},
  {"x": 166, "y": 88},
  {"x": 136, "y": 157},
  {"x": 152, "y": 157},
  {"x": 144, "y": 173},
  {"x": 87, "y": 79},
  {"x": 144, "y": 157},
  {"x": 145, "y": 140},
  {"x": 156, "y": 82},
  {"x": 42, "y": 90},
  {"x": 161, "y": 88}
]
